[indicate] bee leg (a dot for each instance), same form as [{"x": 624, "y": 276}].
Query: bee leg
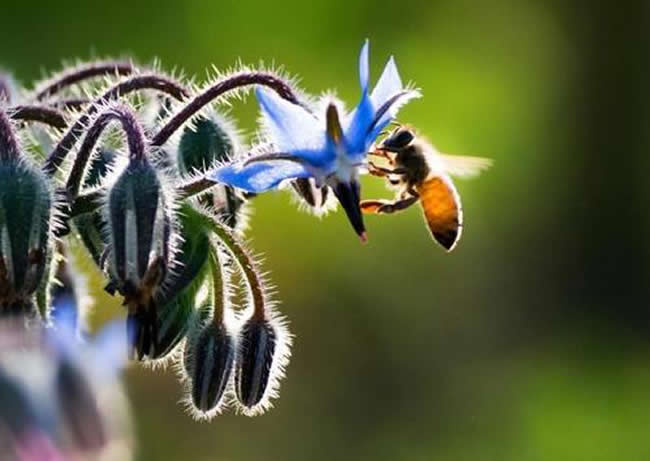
[
  {"x": 385, "y": 206},
  {"x": 410, "y": 192},
  {"x": 377, "y": 170},
  {"x": 382, "y": 154}
]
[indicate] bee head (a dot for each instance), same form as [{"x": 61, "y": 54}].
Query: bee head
[{"x": 398, "y": 140}]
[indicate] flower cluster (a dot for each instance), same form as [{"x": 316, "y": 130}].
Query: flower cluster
[
  {"x": 61, "y": 397},
  {"x": 147, "y": 173}
]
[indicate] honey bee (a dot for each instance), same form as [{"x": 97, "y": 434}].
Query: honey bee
[{"x": 421, "y": 173}]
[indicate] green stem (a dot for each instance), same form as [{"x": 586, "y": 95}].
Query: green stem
[
  {"x": 245, "y": 262},
  {"x": 195, "y": 187},
  {"x": 218, "y": 288}
]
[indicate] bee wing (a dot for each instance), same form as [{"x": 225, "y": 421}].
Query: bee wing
[
  {"x": 464, "y": 166},
  {"x": 442, "y": 210}
]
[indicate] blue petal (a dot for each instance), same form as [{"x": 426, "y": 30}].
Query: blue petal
[
  {"x": 364, "y": 67},
  {"x": 391, "y": 113},
  {"x": 357, "y": 124},
  {"x": 388, "y": 85},
  {"x": 290, "y": 126},
  {"x": 109, "y": 348},
  {"x": 260, "y": 176}
]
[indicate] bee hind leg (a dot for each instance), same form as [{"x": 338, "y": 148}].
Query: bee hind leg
[{"x": 386, "y": 206}]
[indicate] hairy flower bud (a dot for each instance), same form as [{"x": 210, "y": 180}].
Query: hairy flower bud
[
  {"x": 202, "y": 144},
  {"x": 211, "y": 140},
  {"x": 212, "y": 355},
  {"x": 139, "y": 223},
  {"x": 255, "y": 355},
  {"x": 139, "y": 227},
  {"x": 25, "y": 207},
  {"x": 200, "y": 318},
  {"x": 176, "y": 298}
]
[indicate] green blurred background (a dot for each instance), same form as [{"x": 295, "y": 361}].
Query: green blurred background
[{"x": 531, "y": 341}]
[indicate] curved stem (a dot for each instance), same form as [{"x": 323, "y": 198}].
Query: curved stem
[
  {"x": 84, "y": 72},
  {"x": 245, "y": 262},
  {"x": 47, "y": 115},
  {"x": 8, "y": 142},
  {"x": 218, "y": 288},
  {"x": 71, "y": 103},
  {"x": 134, "y": 135},
  {"x": 195, "y": 187},
  {"x": 140, "y": 82},
  {"x": 218, "y": 89}
]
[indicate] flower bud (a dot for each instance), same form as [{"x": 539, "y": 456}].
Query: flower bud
[
  {"x": 139, "y": 238},
  {"x": 175, "y": 300},
  {"x": 212, "y": 356},
  {"x": 211, "y": 140},
  {"x": 139, "y": 223},
  {"x": 259, "y": 357},
  {"x": 198, "y": 321},
  {"x": 25, "y": 207},
  {"x": 203, "y": 144}
]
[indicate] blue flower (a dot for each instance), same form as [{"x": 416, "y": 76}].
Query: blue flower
[{"x": 327, "y": 147}]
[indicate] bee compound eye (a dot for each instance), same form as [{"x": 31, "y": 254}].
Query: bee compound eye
[{"x": 399, "y": 140}]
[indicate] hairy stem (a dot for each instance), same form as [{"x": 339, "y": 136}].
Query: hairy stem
[
  {"x": 140, "y": 82},
  {"x": 84, "y": 72},
  {"x": 245, "y": 262},
  {"x": 218, "y": 288},
  {"x": 8, "y": 142},
  {"x": 134, "y": 136},
  {"x": 43, "y": 114},
  {"x": 71, "y": 103},
  {"x": 219, "y": 89},
  {"x": 194, "y": 187}
]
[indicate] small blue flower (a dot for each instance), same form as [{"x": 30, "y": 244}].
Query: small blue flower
[{"x": 327, "y": 147}]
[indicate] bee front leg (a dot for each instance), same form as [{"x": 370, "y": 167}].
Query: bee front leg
[
  {"x": 382, "y": 172},
  {"x": 386, "y": 206},
  {"x": 383, "y": 154}
]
